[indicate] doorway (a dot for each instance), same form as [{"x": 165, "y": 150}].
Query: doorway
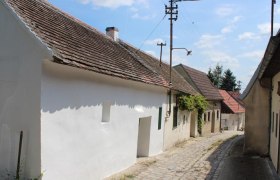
[
  {"x": 144, "y": 130},
  {"x": 193, "y": 126},
  {"x": 213, "y": 121}
]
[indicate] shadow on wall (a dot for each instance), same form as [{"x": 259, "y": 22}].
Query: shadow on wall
[{"x": 66, "y": 87}]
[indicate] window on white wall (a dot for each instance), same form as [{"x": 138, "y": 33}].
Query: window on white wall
[{"x": 106, "y": 109}]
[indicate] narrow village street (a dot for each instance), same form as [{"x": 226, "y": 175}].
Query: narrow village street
[{"x": 195, "y": 159}]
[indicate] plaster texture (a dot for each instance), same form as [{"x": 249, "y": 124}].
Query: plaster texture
[
  {"x": 274, "y": 129},
  {"x": 233, "y": 122},
  {"x": 76, "y": 144},
  {"x": 181, "y": 132},
  {"x": 21, "y": 55},
  {"x": 257, "y": 120}
]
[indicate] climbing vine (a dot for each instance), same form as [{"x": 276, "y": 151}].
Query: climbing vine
[{"x": 194, "y": 103}]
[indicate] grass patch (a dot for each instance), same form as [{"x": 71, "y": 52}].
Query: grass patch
[
  {"x": 127, "y": 176},
  {"x": 149, "y": 163}
]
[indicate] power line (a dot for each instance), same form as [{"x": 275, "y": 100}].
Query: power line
[{"x": 152, "y": 32}]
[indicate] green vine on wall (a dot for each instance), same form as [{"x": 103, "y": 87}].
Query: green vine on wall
[{"x": 194, "y": 103}]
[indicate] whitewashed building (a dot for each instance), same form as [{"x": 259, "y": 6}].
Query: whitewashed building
[
  {"x": 233, "y": 113},
  {"x": 87, "y": 105},
  {"x": 200, "y": 82}
]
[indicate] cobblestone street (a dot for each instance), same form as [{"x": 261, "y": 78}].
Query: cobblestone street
[{"x": 197, "y": 158}]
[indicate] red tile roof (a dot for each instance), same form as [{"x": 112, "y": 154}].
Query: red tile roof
[
  {"x": 230, "y": 103},
  {"x": 201, "y": 82},
  {"x": 77, "y": 44},
  {"x": 236, "y": 95}
]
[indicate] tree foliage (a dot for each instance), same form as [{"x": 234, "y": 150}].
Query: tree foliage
[
  {"x": 215, "y": 75},
  {"x": 223, "y": 80},
  {"x": 191, "y": 103},
  {"x": 228, "y": 81}
]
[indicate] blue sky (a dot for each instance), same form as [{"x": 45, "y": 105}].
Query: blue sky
[{"x": 231, "y": 33}]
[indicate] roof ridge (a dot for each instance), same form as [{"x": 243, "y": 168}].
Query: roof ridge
[
  {"x": 193, "y": 69},
  {"x": 122, "y": 44}
]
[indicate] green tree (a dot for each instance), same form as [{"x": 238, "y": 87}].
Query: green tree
[
  {"x": 229, "y": 81},
  {"x": 215, "y": 75}
]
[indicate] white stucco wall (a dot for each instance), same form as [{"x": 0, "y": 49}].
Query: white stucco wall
[
  {"x": 20, "y": 68},
  {"x": 173, "y": 135},
  {"x": 75, "y": 143},
  {"x": 233, "y": 122},
  {"x": 274, "y": 138}
]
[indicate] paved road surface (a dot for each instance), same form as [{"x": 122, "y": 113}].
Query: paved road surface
[{"x": 196, "y": 159}]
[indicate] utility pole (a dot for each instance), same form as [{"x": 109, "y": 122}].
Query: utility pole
[
  {"x": 171, "y": 10},
  {"x": 272, "y": 16},
  {"x": 161, "y": 44}
]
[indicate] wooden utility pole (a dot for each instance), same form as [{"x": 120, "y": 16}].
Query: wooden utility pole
[
  {"x": 272, "y": 16},
  {"x": 161, "y": 44},
  {"x": 172, "y": 9}
]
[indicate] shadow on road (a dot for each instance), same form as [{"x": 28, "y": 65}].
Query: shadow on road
[{"x": 229, "y": 163}]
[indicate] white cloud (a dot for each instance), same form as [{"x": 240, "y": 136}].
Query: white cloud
[
  {"x": 265, "y": 28},
  {"x": 154, "y": 41},
  {"x": 151, "y": 53},
  {"x": 277, "y": 11},
  {"x": 222, "y": 58},
  {"x": 209, "y": 41},
  {"x": 227, "y": 29},
  {"x": 114, "y": 4},
  {"x": 231, "y": 25},
  {"x": 248, "y": 36},
  {"x": 137, "y": 15},
  {"x": 224, "y": 10},
  {"x": 257, "y": 55}
]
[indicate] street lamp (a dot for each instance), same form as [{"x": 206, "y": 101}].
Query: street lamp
[{"x": 189, "y": 52}]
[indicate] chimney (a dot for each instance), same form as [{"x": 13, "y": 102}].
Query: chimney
[{"x": 112, "y": 32}]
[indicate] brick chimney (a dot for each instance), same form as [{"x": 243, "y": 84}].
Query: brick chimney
[{"x": 112, "y": 32}]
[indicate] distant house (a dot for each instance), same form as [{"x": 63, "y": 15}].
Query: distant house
[
  {"x": 178, "y": 124},
  {"x": 87, "y": 103},
  {"x": 200, "y": 82},
  {"x": 232, "y": 113},
  {"x": 261, "y": 98}
]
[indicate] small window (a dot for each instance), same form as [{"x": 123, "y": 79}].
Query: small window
[
  {"x": 209, "y": 114},
  {"x": 175, "y": 114},
  {"x": 272, "y": 122},
  {"x": 218, "y": 114},
  {"x": 159, "y": 117},
  {"x": 276, "y": 126},
  {"x": 205, "y": 117},
  {"x": 106, "y": 109}
]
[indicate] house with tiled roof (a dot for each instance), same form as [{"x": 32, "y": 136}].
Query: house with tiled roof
[
  {"x": 83, "y": 104},
  {"x": 177, "y": 123},
  {"x": 200, "y": 82},
  {"x": 262, "y": 102},
  {"x": 232, "y": 112}
]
